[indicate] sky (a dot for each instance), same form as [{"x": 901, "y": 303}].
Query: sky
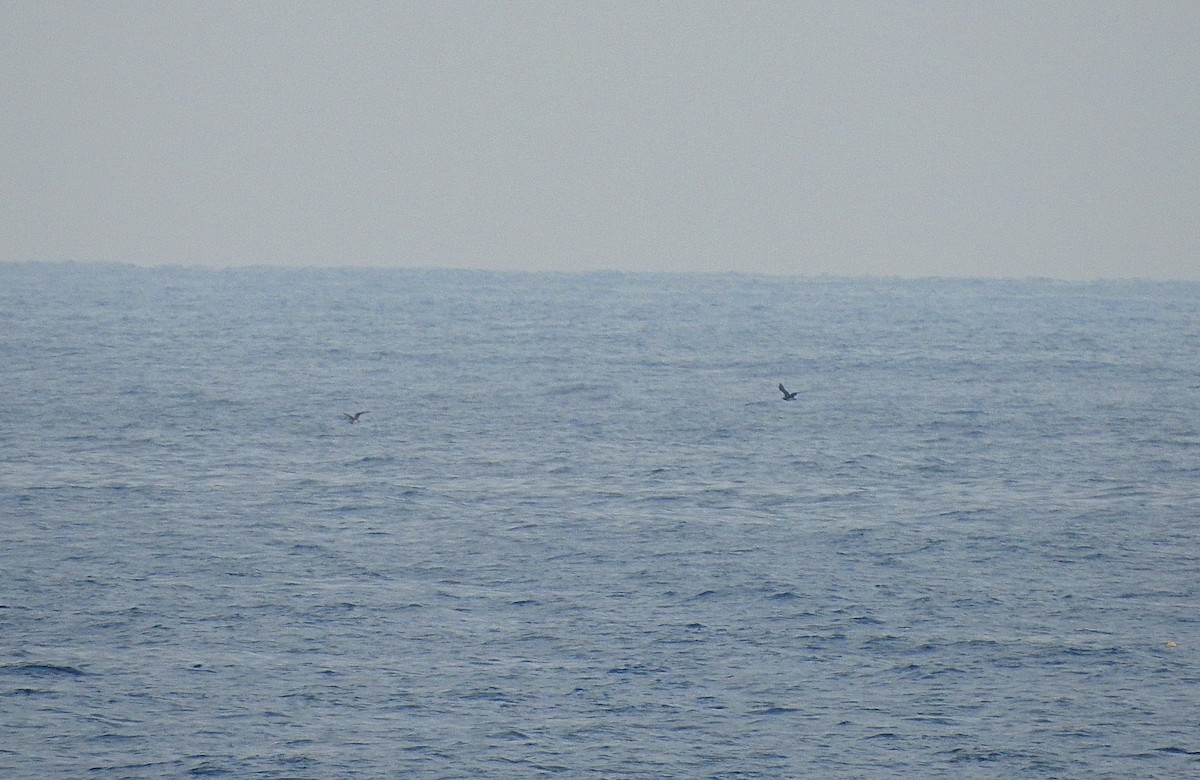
[{"x": 966, "y": 139}]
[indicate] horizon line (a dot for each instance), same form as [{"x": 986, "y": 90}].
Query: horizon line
[{"x": 823, "y": 275}]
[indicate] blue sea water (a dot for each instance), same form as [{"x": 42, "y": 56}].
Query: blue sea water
[{"x": 580, "y": 534}]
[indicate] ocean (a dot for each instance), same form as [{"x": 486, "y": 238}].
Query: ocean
[{"x": 579, "y": 533}]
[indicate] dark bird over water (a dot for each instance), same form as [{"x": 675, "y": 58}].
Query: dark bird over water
[
  {"x": 786, "y": 395},
  {"x": 353, "y": 418}
]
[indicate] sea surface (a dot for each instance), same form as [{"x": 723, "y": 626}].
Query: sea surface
[{"x": 580, "y": 534}]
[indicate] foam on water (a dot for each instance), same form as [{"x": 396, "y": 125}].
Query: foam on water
[{"x": 580, "y": 534}]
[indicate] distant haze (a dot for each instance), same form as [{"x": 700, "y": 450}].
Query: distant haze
[{"x": 995, "y": 139}]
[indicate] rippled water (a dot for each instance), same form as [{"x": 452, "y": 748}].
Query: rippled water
[{"x": 579, "y": 532}]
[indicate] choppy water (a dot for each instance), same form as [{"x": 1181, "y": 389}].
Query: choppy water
[{"x": 580, "y": 534}]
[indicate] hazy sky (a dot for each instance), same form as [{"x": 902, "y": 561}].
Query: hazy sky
[{"x": 969, "y": 138}]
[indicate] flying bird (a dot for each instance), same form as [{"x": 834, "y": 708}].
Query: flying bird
[
  {"x": 786, "y": 395},
  {"x": 353, "y": 418}
]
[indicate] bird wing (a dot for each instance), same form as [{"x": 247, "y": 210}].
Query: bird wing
[{"x": 782, "y": 389}]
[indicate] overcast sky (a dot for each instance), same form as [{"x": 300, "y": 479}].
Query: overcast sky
[{"x": 996, "y": 139}]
